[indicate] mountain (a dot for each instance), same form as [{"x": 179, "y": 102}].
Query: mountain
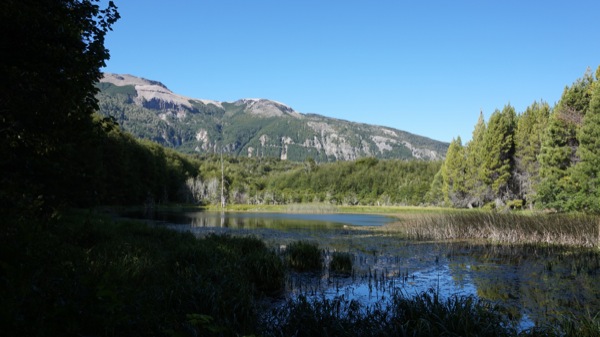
[{"x": 250, "y": 127}]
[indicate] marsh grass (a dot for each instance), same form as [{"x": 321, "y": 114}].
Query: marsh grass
[
  {"x": 424, "y": 315},
  {"x": 341, "y": 263},
  {"x": 568, "y": 326},
  {"x": 303, "y": 256},
  {"x": 312, "y": 208},
  {"x": 85, "y": 274},
  {"x": 513, "y": 228}
]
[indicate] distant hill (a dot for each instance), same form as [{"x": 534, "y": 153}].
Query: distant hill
[{"x": 250, "y": 127}]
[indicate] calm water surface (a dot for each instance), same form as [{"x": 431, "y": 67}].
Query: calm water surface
[{"x": 535, "y": 284}]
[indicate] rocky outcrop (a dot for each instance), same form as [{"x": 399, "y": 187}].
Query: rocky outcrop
[{"x": 253, "y": 127}]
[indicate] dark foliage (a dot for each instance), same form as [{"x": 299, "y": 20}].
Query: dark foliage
[
  {"x": 85, "y": 275},
  {"x": 51, "y": 52}
]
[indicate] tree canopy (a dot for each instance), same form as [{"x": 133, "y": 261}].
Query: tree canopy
[
  {"x": 545, "y": 157},
  {"x": 52, "y": 52}
]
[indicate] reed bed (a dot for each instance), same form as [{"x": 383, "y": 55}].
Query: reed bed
[
  {"x": 303, "y": 256},
  {"x": 512, "y": 228},
  {"x": 341, "y": 263},
  {"x": 426, "y": 314},
  {"x": 423, "y": 315}
]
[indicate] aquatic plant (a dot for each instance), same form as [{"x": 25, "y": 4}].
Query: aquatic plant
[
  {"x": 568, "y": 326},
  {"x": 341, "y": 263},
  {"x": 562, "y": 229},
  {"x": 87, "y": 275},
  {"x": 303, "y": 256},
  {"x": 423, "y": 315}
]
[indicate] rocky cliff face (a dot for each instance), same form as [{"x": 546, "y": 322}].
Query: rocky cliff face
[{"x": 250, "y": 127}]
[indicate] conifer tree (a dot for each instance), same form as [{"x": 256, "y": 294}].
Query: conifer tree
[
  {"x": 435, "y": 195},
  {"x": 453, "y": 173},
  {"x": 476, "y": 189},
  {"x": 498, "y": 152},
  {"x": 560, "y": 143},
  {"x": 528, "y": 142},
  {"x": 586, "y": 173}
]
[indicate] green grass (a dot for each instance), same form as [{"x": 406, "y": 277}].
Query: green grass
[
  {"x": 341, "y": 263},
  {"x": 329, "y": 208},
  {"x": 85, "y": 274},
  {"x": 303, "y": 256},
  {"x": 313, "y": 208}
]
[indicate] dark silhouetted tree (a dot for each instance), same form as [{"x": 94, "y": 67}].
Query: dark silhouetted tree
[{"x": 51, "y": 52}]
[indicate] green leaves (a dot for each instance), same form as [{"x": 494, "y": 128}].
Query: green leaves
[
  {"x": 481, "y": 171},
  {"x": 454, "y": 174},
  {"x": 547, "y": 156},
  {"x": 52, "y": 55},
  {"x": 586, "y": 173},
  {"x": 498, "y": 151}
]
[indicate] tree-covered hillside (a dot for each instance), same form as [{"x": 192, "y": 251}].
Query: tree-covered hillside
[
  {"x": 547, "y": 157},
  {"x": 367, "y": 181}
]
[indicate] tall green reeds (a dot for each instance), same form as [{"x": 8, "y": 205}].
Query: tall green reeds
[
  {"x": 423, "y": 315},
  {"x": 341, "y": 263},
  {"x": 303, "y": 256}
]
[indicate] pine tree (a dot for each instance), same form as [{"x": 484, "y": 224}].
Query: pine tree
[
  {"x": 498, "y": 152},
  {"x": 476, "y": 189},
  {"x": 528, "y": 142},
  {"x": 560, "y": 143},
  {"x": 454, "y": 173},
  {"x": 435, "y": 195},
  {"x": 586, "y": 173}
]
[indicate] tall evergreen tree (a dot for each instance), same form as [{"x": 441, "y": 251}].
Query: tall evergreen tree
[
  {"x": 498, "y": 152},
  {"x": 476, "y": 189},
  {"x": 454, "y": 174},
  {"x": 435, "y": 195},
  {"x": 586, "y": 173},
  {"x": 559, "y": 152},
  {"x": 530, "y": 129}
]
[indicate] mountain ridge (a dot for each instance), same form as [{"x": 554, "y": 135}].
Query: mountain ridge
[{"x": 250, "y": 126}]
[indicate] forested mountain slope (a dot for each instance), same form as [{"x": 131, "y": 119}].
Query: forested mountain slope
[{"x": 250, "y": 127}]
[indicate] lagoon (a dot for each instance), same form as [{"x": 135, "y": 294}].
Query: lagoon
[{"x": 535, "y": 284}]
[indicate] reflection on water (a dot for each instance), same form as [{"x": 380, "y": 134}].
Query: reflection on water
[
  {"x": 535, "y": 284},
  {"x": 264, "y": 220}
]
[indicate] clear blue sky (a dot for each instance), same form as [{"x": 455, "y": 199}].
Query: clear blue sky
[{"x": 426, "y": 67}]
